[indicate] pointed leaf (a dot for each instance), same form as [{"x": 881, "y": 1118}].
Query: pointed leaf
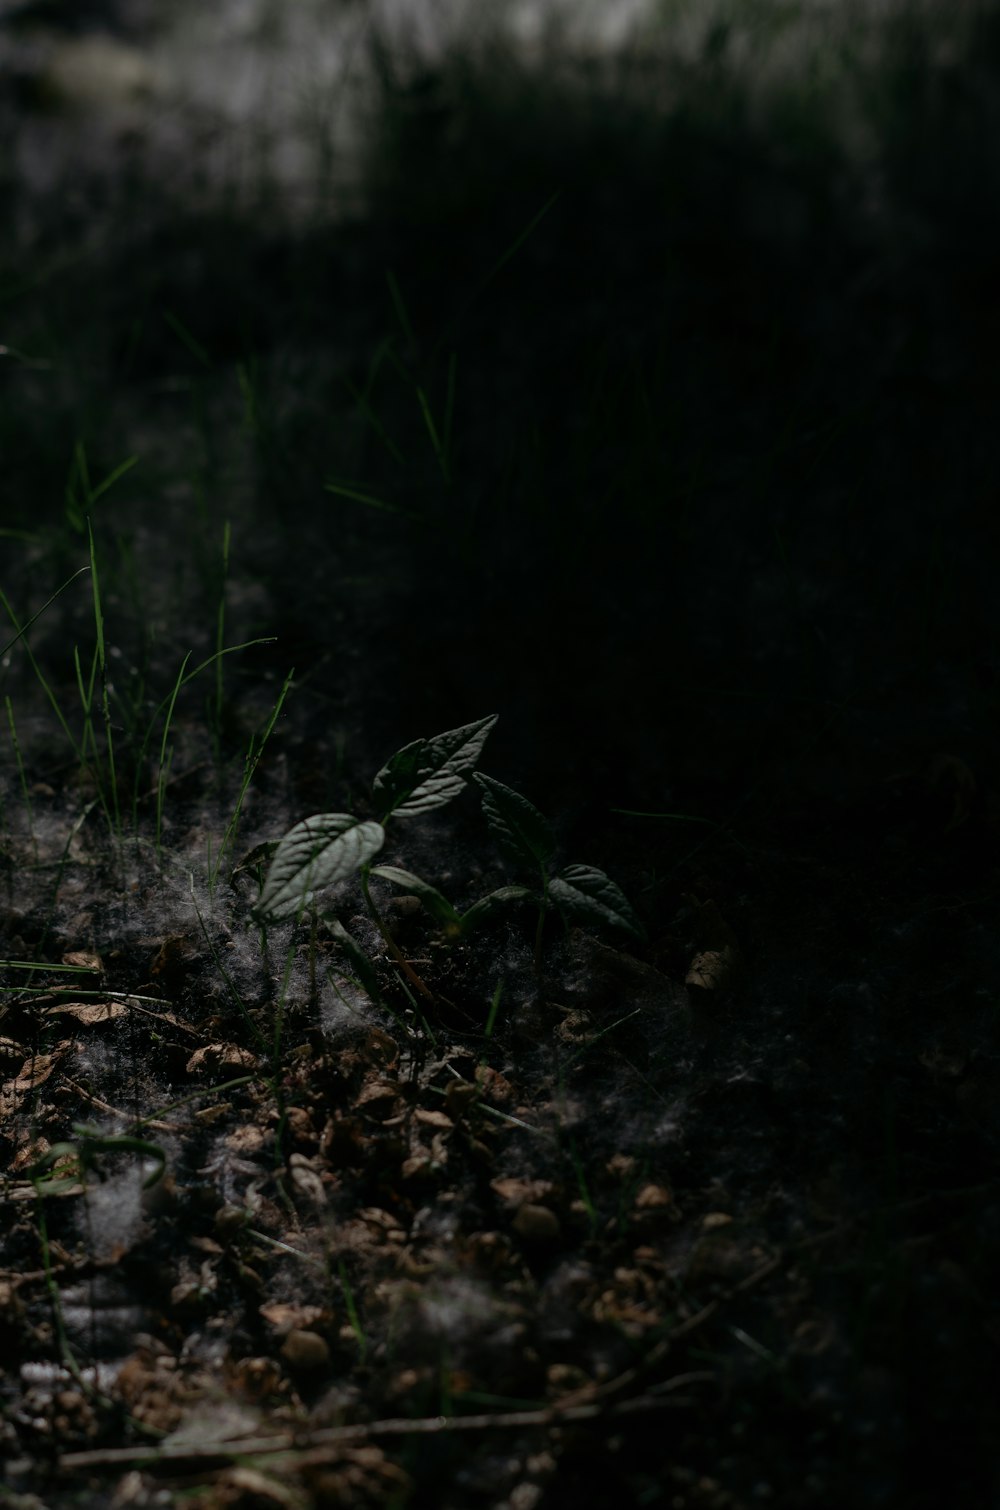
[
  {"x": 430, "y": 772},
  {"x": 489, "y": 906},
  {"x": 584, "y": 892},
  {"x": 522, "y": 835},
  {"x": 317, "y": 852},
  {"x": 437, "y": 905}
]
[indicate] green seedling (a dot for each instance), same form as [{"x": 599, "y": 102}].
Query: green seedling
[
  {"x": 580, "y": 893},
  {"x": 328, "y": 848}
]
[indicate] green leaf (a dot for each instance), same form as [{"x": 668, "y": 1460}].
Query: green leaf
[
  {"x": 584, "y": 892},
  {"x": 430, "y": 772},
  {"x": 438, "y": 906},
  {"x": 317, "y": 852},
  {"x": 489, "y": 906},
  {"x": 523, "y": 836}
]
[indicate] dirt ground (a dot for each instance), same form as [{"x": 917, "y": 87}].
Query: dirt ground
[{"x": 714, "y": 1243}]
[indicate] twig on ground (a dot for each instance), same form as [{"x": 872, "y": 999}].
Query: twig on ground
[
  {"x": 114, "y": 1111},
  {"x": 181, "y": 1455}
]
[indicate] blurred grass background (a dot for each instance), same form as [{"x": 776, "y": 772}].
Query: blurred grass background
[{"x": 666, "y": 370}]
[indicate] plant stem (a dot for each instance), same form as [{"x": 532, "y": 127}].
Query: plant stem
[
  {"x": 115, "y": 814},
  {"x": 390, "y": 942},
  {"x": 540, "y": 929},
  {"x": 220, "y": 630},
  {"x": 313, "y": 933},
  {"x": 250, "y": 764}
]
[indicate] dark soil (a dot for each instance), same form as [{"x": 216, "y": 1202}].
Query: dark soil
[{"x": 708, "y": 1220}]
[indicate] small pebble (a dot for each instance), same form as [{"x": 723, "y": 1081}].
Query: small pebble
[
  {"x": 307, "y": 1351},
  {"x": 537, "y": 1224}
]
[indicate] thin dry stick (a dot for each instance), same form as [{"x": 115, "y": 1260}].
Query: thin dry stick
[
  {"x": 113, "y": 1111},
  {"x": 693, "y": 1323},
  {"x": 201, "y": 1454},
  {"x": 632, "y": 1375}
]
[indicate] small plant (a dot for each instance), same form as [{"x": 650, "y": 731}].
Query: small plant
[
  {"x": 331, "y": 847},
  {"x": 581, "y": 893}
]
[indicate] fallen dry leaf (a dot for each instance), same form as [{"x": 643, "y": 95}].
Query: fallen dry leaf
[
  {"x": 34, "y": 1072},
  {"x": 283, "y": 1317},
  {"x": 220, "y": 1056},
  {"x": 712, "y": 970},
  {"x": 431, "y": 1118},
  {"x": 87, "y": 1012},
  {"x": 83, "y": 959},
  {"x": 306, "y": 1179},
  {"x": 515, "y": 1192},
  {"x": 11, "y": 1054}
]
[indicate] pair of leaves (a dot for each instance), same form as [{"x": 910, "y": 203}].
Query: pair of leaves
[
  {"x": 524, "y": 837},
  {"x": 331, "y": 847}
]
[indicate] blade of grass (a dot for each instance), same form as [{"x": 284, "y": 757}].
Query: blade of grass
[
  {"x": 202, "y": 1095},
  {"x": 425, "y": 410},
  {"x": 494, "y": 1009},
  {"x": 449, "y": 411},
  {"x": 105, "y": 701},
  {"x": 515, "y": 246},
  {"x": 352, "y": 1311},
  {"x": 250, "y": 764},
  {"x": 169, "y": 700},
  {"x": 369, "y": 414},
  {"x": 185, "y": 337},
  {"x": 81, "y": 495},
  {"x": 582, "y": 1186},
  {"x": 585, "y": 1049},
  {"x": 220, "y": 636},
  {"x": 23, "y": 629},
  {"x": 368, "y": 499},
  {"x": 86, "y": 699},
  {"x": 439, "y": 451},
  {"x": 22, "y": 776},
  {"x": 162, "y": 764},
  {"x": 399, "y": 305}
]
